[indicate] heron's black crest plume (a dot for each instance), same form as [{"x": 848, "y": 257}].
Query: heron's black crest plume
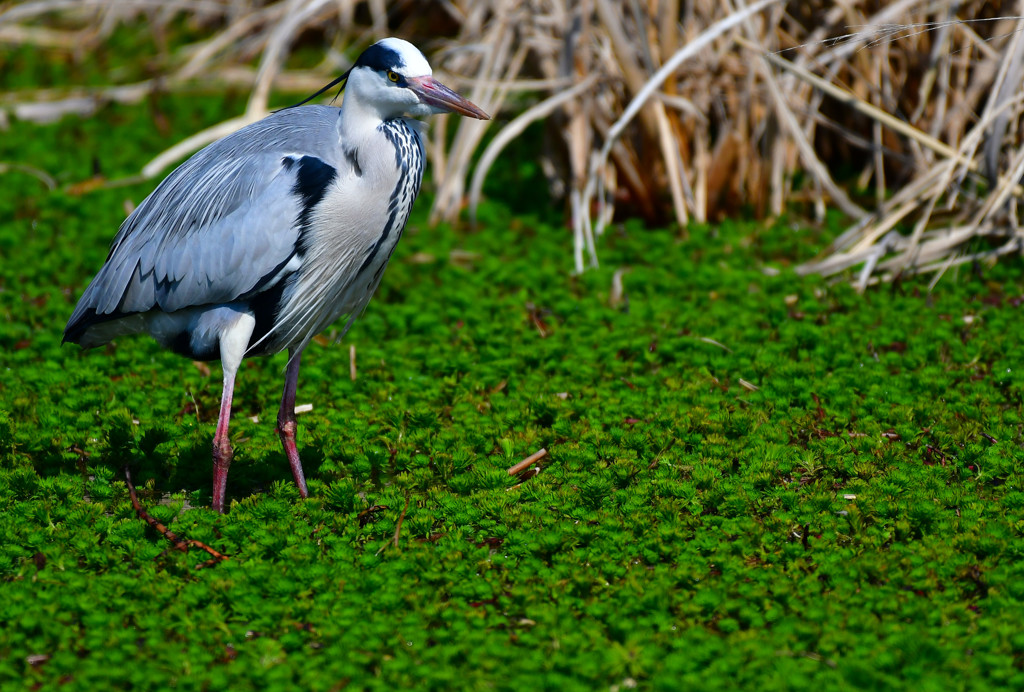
[{"x": 340, "y": 80}]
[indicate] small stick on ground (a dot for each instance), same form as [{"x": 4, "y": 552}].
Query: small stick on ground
[
  {"x": 398, "y": 526},
  {"x": 401, "y": 517},
  {"x": 179, "y": 544},
  {"x": 525, "y": 463},
  {"x": 658, "y": 457}
]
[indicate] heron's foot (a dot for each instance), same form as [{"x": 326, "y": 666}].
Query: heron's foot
[
  {"x": 286, "y": 430},
  {"x": 222, "y": 454}
]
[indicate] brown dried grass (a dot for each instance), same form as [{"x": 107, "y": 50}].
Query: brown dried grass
[{"x": 667, "y": 110}]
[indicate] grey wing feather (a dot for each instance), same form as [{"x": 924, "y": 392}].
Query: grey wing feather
[{"x": 220, "y": 226}]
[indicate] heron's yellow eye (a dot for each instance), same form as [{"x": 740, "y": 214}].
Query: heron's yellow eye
[{"x": 392, "y": 75}]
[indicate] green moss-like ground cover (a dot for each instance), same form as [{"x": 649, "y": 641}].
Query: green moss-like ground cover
[{"x": 853, "y": 523}]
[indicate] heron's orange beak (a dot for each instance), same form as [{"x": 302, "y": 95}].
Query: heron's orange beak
[{"x": 437, "y": 95}]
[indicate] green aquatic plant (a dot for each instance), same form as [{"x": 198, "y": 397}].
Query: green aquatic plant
[{"x": 753, "y": 479}]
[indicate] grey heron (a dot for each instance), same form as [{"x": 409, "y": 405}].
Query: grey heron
[{"x": 261, "y": 240}]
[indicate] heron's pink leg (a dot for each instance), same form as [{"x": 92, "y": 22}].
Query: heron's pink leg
[
  {"x": 222, "y": 444},
  {"x": 286, "y": 420},
  {"x": 235, "y": 329}
]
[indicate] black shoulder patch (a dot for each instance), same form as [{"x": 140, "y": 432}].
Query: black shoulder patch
[
  {"x": 380, "y": 58},
  {"x": 311, "y": 182}
]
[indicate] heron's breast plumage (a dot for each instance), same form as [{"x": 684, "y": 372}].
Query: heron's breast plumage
[{"x": 352, "y": 232}]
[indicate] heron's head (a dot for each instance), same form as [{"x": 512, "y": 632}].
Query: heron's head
[{"x": 393, "y": 78}]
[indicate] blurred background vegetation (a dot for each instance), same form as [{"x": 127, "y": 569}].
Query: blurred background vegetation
[{"x": 902, "y": 116}]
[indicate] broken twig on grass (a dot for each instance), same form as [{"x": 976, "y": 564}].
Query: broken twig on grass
[
  {"x": 182, "y": 544},
  {"x": 527, "y": 462},
  {"x": 398, "y": 526},
  {"x": 401, "y": 518},
  {"x": 657, "y": 458}
]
